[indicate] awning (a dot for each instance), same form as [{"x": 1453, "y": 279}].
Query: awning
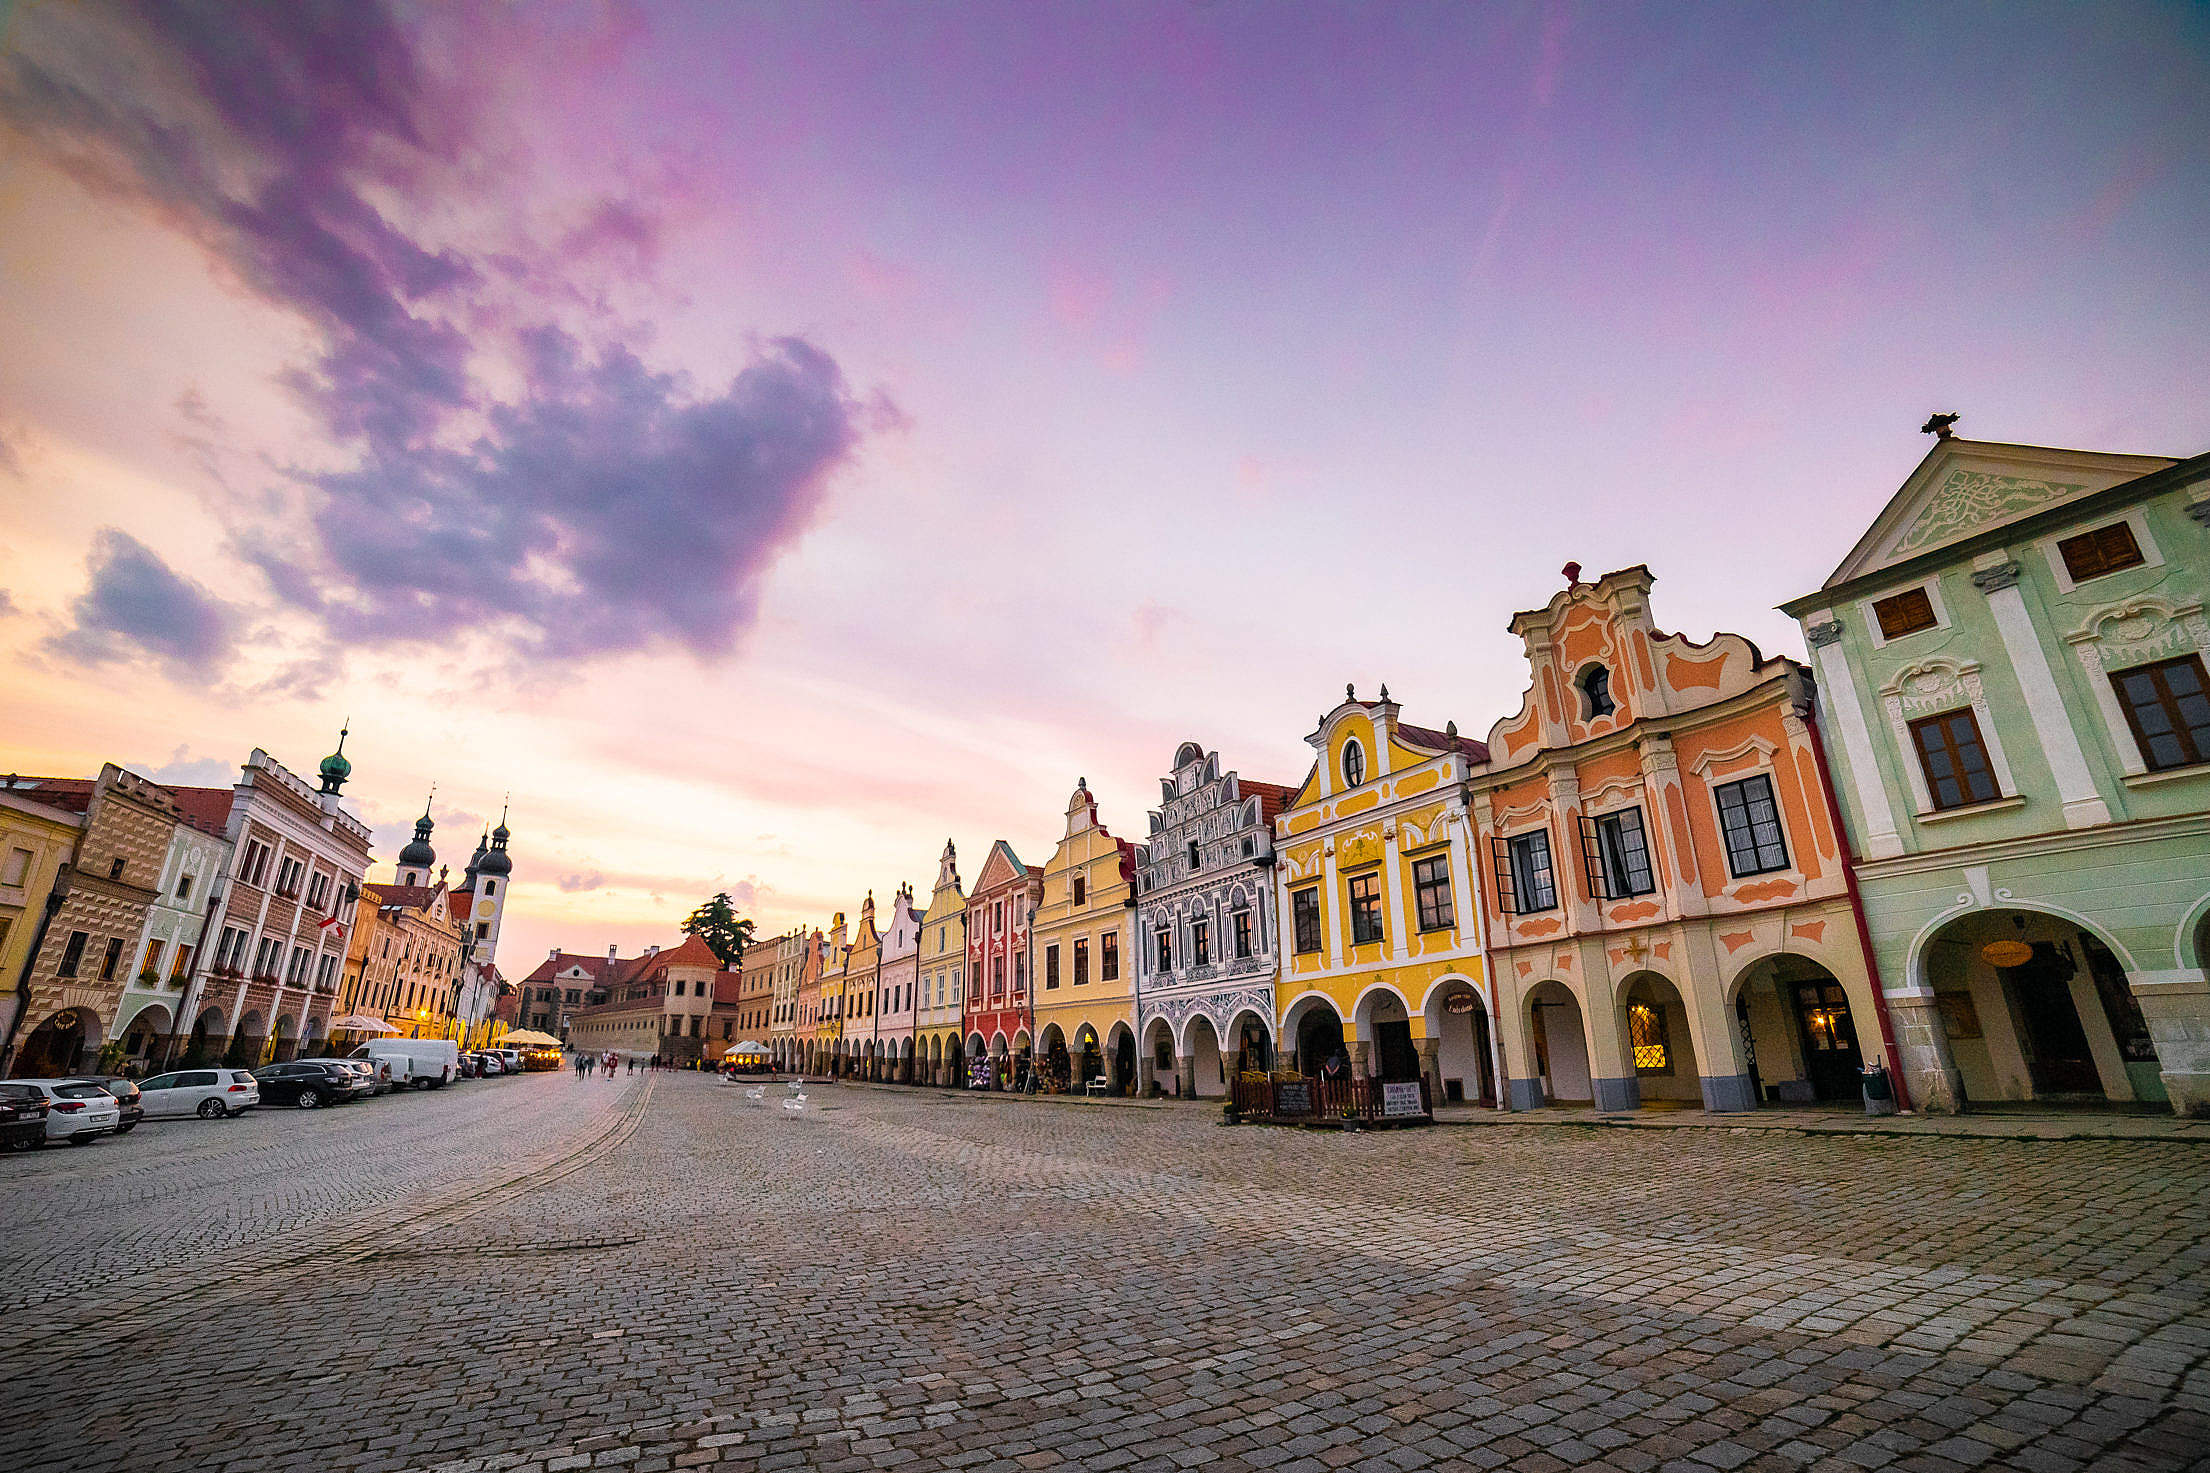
[
  {"x": 360, "y": 1023},
  {"x": 749, "y": 1047},
  {"x": 530, "y": 1038}
]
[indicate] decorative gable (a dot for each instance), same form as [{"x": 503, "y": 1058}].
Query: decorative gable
[{"x": 1967, "y": 486}]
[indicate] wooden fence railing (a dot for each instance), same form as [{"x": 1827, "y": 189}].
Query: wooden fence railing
[{"x": 1304, "y": 1099}]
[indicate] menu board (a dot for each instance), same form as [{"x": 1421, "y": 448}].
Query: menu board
[
  {"x": 1293, "y": 1099},
  {"x": 1401, "y": 1099}
]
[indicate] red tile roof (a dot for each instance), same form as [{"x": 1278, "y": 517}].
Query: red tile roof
[
  {"x": 69, "y": 794},
  {"x": 413, "y": 897},
  {"x": 1439, "y": 741},
  {"x": 1272, "y": 797},
  {"x": 594, "y": 966},
  {"x": 206, "y": 809}
]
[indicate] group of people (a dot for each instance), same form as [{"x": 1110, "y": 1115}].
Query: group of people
[{"x": 606, "y": 1063}]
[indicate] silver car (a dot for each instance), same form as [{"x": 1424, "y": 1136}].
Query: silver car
[{"x": 76, "y": 1112}]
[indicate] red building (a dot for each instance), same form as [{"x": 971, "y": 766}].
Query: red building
[{"x": 1000, "y": 1014}]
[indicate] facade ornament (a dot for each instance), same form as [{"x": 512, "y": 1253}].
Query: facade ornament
[
  {"x": 1994, "y": 580},
  {"x": 1940, "y": 426},
  {"x": 1819, "y": 636},
  {"x": 1350, "y": 691}
]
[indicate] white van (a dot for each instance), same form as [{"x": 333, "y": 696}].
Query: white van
[{"x": 425, "y": 1063}]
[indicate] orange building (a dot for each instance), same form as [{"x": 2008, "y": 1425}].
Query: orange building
[{"x": 1670, "y": 918}]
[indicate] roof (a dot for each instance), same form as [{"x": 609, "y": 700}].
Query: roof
[
  {"x": 70, "y": 794},
  {"x": 1272, "y": 797},
  {"x": 726, "y": 985},
  {"x": 594, "y": 966},
  {"x": 692, "y": 953},
  {"x": 207, "y": 809},
  {"x": 413, "y": 897},
  {"x": 460, "y": 902},
  {"x": 1443, "y": 741}
]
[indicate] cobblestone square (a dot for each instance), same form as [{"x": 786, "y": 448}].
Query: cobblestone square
[{"x": 544, "y": 1274}]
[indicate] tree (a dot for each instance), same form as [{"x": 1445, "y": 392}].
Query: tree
[{"x": 725, "y": 933}]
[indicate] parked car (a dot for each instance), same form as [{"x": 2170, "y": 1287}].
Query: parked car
[
  {"x": 360, "y": 1075},
  {"x": 210, "y": 1094},
  {"x": 380, "y": 1078},
  {"x": 489, "y": 1064},
  {"x": 468, "y": 1066},
  {"x": 425, "y": 1063},
  {"x": 77, "y": 1111},
  {"x": 308, "y": 1084},
  {"x": 22, "y": 1116},
  {"x": 510, "y": 1059},
  {"x": 126, "y": 1095}
]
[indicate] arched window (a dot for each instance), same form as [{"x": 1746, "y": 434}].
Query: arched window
[
  {"x": 1354, "y": 764},
  {"x": 1596, "y": 692}
]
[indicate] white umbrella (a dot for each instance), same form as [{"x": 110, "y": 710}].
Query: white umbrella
[{"x": 360, "y": 1023}]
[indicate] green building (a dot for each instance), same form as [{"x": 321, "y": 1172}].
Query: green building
[{"x": 2014, "y": 705}]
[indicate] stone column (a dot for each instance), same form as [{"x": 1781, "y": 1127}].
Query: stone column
[
  {"x": 1930, "y": 1070},
  {"x": 1360, "y": 1051},
  {"x": 1186, "y": 1076},
  {"x": 2176, "y": 1006},
  {"x": 1431, "y": 1066},
  {"x": 1146, "y": 1073}
]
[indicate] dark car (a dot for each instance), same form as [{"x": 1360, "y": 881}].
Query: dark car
[
  {"x": 126, "y": 1095},
  {"x": 306, "y": 1085},
  {"x": 22, "y": 1117}
]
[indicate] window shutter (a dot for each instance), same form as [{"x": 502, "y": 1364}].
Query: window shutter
[
  {"x": 1507, "y": 899},
  {"x": 1592, "y": 860}
]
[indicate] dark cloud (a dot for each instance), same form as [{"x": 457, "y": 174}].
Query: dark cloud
[
  {"x": 604, "y": 507},
  {"x": 135, "y": 604}
]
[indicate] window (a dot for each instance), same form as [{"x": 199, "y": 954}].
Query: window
[
  {"x": 257, "y": 863},
  {"x": 72, "y": 953},
  {"x": 1108, "y": 961},
  {"x": 997, "y": 976},
  {"x": 2168, "y": 706},
  {"x": 1596, "y": 692},
  {"x": 1020, "y": 972},
  {"x": 1081, "y": 961},
  {"x": 1954, "y": 759},
  {"x": 490, "y": 888},
  {"x": 318, "y": 890},
  {"x": 1365, "y": 908},
  {"x": 1354, "y": 764},
  {"x": 17, "y": 869},
  {"x": 1749, "y": 823},
  {"x": 679, "y": 987},
  {"x": 180, "y": 962},
  {"x": 1646, "y": 1035},
  {"x": 2104, "y": 550},
  {"x": 1051, "y": 967},
  {"x": 1196, "y": 855},
  {"x": 1081, "y": 889},
  {"x": 1904, "y": 613},
  {"x": 297, "y": 971},
  {"x": 112, "y": 959},
  {"x": 183, "y": 887},
  {"x": 115, "y": 869},
  {"x": 1200, "y": 944},
  {"x": 1525, "y": 881},
  {"x": 1615, "y": 855},
  {"x": 1431, "y": 884},
  {"x": 1304, "y": 914},
  {"x": 1241, "y": 920},
  {"x": 1165, "y": 941}
]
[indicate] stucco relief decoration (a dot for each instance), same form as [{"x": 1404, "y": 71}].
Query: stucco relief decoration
[
  {"x": 1935, "y": 686},
  {"x": 2143, "y": 630},
  {"x": 1972, "y": 499},
  {"x": 1360, "y": 848}
]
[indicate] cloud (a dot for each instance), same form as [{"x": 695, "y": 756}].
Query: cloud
[
  {"x": 186, "y": 771},
  {"x": 601, "y": 507},
  {"x": 608, "y": 510},
  {"x": 8, "y": 609},
  {"x": 580, "y": 884},
  {"x": 135, "y": 604}
]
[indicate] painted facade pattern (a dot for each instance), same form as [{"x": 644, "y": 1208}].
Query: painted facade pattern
[
  {"x": 998, "y": 1018},
  {"x": 1205, "y": 884},
  {"x": 1084, "y": 1019}
]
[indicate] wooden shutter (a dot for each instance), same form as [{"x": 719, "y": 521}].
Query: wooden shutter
[{"x": 1507, "y": 898}]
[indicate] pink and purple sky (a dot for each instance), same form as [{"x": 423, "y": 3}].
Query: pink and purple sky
[{"x": 770, "y": 439}]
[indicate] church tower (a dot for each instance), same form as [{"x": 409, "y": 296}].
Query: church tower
[
  {"x": 418, "y": 858},
  {"x": 492, "y": 873}
]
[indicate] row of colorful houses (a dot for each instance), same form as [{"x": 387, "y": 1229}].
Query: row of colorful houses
[
  {"x": 1968, "y": 844},
  {"x": 144, "y": 924}
]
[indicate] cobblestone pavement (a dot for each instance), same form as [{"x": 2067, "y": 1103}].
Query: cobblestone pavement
[{"x": 891, "y": 1279}]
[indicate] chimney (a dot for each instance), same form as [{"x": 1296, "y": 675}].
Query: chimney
[
  {"x": 653, "y": 949},
  {"x": 556, "y": 953},
  {"x": 613, "y": 952}
]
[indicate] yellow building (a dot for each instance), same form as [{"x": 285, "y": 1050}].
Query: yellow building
[
  {"x": 404, "y": 960},
  {"x": 858, "y": 1046},
  {"x": 826, "y": 1045},
  {"x": 1085, "y": 1023},
  {"x": 936, "y": 1045},
  {"x": 1375, "y": 882},
  {"x": 36, "y": 840}
]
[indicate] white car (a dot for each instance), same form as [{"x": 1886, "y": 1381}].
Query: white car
[
  {"x": 509, "y": 1058},
  {"x": 76, "y": 1112},
  {"x": 210, "y": 1094}
]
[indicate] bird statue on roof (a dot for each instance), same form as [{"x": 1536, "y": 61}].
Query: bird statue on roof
[{"x": 1938, "y": 425}]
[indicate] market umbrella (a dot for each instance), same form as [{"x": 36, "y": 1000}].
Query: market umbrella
[
  {"x": 360, "y": 1023},
  {"x": 530, "y": 1038}
]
